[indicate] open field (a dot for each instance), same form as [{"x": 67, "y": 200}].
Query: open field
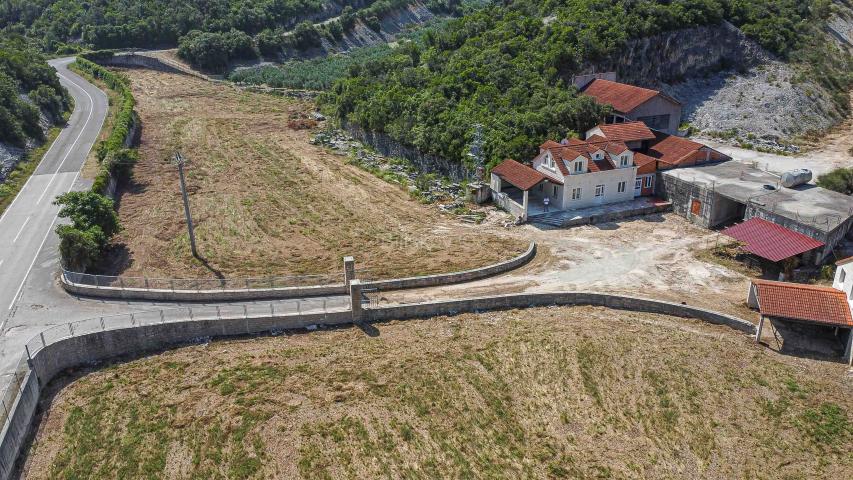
[
  {"x": 542, "y": 393},
  {"x": 265, "y": 201}
]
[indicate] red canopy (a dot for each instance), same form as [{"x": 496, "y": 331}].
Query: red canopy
[{"x": 771, "y": 241}]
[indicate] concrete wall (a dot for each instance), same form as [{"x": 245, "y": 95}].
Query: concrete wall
[
  {"x": 457, "y": 277},
  {"x": 201, "y": 295},
  {"x": 430, "y": 309}
]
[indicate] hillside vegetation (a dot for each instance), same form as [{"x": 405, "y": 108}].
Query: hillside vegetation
[
  {"x": 508, "y": 67},
  {"x": 541, "y": 393},
  {"x": 210, "y": 33},
  {"x": 28, "y": 87}
]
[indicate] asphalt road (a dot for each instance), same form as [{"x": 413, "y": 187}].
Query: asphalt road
[
  {"x": 27, "y": 225},
  {"x": 31, "y": 299}
]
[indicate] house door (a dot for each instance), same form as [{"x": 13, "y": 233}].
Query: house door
[{"x": 638, "y": 187}]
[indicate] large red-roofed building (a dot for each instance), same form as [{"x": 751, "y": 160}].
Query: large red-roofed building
[{"x": 656, "y": 109}]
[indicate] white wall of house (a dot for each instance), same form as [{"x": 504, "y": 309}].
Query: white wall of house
[
  {"x": 844, "y": 281},
  {"x": 587, "y": 184}
]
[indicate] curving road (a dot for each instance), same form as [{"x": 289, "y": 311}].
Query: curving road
[{"x": 30, "y": 298}]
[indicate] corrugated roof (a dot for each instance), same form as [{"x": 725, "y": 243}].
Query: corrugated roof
[
  {"x": 627, "y": 132},
  {"x": 771, "y": 241},
  {"x": 518, "y": 174},
  {"x": 623, "y": 97},
  {"x": 803, "y": 302}
]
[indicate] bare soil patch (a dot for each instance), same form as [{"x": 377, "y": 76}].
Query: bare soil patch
[
  {"x": 539, "y": 393},
  {"x": 265, "y": 201}
]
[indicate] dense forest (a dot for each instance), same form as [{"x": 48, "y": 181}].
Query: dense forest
[
  {"x": 210, "y": 33},
  {"x": 506, "y": 67},
  {"x": 28, "y": 86}
]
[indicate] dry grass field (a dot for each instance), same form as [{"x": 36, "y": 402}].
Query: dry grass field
[
  {"x": 541, "y": 393},
  {"x": 265, "y": 201}
]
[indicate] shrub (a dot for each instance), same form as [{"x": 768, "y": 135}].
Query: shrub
[
  {"x": 93, "y": 224},
  {"x": 839, "y": 180}
]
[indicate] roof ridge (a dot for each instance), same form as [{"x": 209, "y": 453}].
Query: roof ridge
[{"x": 802, "y": 286}]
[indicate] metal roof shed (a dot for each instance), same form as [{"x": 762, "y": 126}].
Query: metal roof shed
[{"x": 771, "y": 241}]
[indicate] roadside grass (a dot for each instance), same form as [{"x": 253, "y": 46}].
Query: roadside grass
[
  {"x": 267, "y": 202},
  {"x": 541, "y": 393},
  {"x": 18, "y": 177}
]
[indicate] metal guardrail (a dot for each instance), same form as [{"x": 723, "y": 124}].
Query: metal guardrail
[
  {"x": 203, "y": 284},
  {"x": 63, "y": 331}
]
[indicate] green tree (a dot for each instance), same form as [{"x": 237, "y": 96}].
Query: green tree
[
  {"x": 79, "y": 249},
  {"x": 87, "y": 209}
]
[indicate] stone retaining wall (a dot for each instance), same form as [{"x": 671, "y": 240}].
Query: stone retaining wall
[
  {"x": 451, "y": 278},
  {"x": 222, "y": 295},
  {"x": 166, "y": 295},
  {"x": 526, "y": 300}
]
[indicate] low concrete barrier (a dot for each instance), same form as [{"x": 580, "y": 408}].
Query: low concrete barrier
[
  {"x": 525, "y": 300},
  {"x": 167, "y": 295},
  {"x": 72, "y": 284},
  {"x": 451, "y": 278}
]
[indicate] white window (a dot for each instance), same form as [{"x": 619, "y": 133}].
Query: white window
[
  {"x": 599, "y": 190},
  {"x": 843, "y": 276},
  {"x": 578, "y": 167},
  {"x": 576, "y": 193},
  {"x": 649, "y": 181},
  {"x": 549, "y": 161},
  {"x": 638, "y": 183},
  {"x": 624, "y": 160},
  {"x": 620, "y": 188}
]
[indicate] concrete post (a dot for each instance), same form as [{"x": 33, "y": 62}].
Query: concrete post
[
  {"x": 848, "y": 351},
  {"x": 525, "y": 204},
  {"x": 355, "y": 300},
  {"x": 758, "y": 330},
  {"x": 349, "y": 269}
]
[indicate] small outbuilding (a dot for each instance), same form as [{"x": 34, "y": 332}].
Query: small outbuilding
[
  {"x": 771, "y": 241},
  {"x": 818, "y": 307}
]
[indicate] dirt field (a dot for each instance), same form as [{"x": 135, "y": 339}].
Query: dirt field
[
  {"x": 542, "y": 393},
  {"x": 267, "y": 202}
]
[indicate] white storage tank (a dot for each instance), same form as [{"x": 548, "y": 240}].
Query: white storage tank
[{"x": 793, "y": 178}]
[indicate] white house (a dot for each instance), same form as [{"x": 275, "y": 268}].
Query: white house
[{"x": 586, "y": 173}]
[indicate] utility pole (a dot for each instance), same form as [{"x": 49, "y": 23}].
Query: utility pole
[{"x": 179, "y": 161}]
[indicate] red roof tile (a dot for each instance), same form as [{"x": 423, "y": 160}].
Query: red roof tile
[
  {"x": 623, "y": 97},
  {"x": 627, "y": 132},
  {"x": 672, "y": 149},
  {"x": 518, "y": 174},
  {"x": 645, "y": 164},
  {"x": 771, "y": 241},
  {"x": 803, "y": 302}
]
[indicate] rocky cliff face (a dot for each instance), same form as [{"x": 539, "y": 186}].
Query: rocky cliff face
[{"x": 675, "y": 56}]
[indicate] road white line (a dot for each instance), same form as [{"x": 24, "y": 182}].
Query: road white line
[
  {"x": 21, "y": 230},
  {"x": 82, "y": 131}
]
